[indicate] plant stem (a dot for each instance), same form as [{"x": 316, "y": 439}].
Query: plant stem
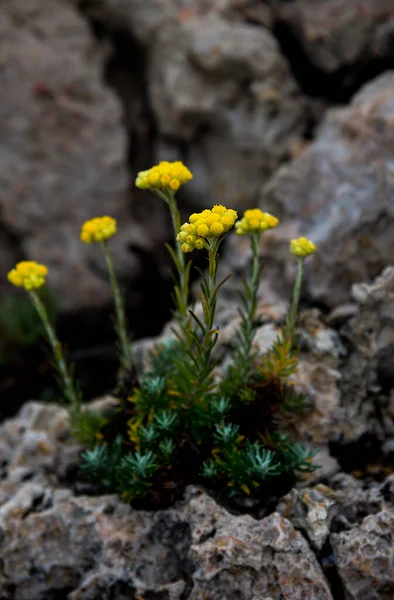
[
  {"x": 251, "y": 303},
  {"x": 125, "y": 349},
  {"x": 291, "y": 321},
  {"x": 68, "y": 383},
  {"x": 241, "y": 369},
  {"x": 212, "y": 272},
  {"x": 182, "y": 298}
]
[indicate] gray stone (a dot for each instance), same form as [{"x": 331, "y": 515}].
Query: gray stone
[
  {"x": 340, "y": 193},
  {"x": 336, "y": 33},
  {"x": 97, "y": 546},
  {"x": 225, "y": 86},
  {"x": 369, "y": 365},
  {"x": 356, "y": 499},
  {"x": 365, "y": 556},
  {"x": 249, "y": 558},
  {"x": 54, "y": 542},
  {"x": 62, "y": 149},
  {"x": 37, "y": 445},
  {"x": 312, "y": 511}
]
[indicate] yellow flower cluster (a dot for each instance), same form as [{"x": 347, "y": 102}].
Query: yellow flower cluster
[
  {"x": 28, "y": 274},
  {"x": 98, "y": 229},
  {"x": 209, "y": 224},
  {"x": 255, "y": 221},
  {"x": 302, "y": 247},
  {"x": 164, "y": 176}
]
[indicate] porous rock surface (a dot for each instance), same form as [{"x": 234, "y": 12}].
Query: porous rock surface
[
  {"x": 365, "y": 556},
  {"x": 53, "y": 541},
  {"x": 256, "y": 558}
]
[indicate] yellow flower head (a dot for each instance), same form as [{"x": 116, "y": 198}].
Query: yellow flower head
[
  {"x": 255, "y": 221},
  {"x": 28, "y": 274},
  {"x": 208, "y": 224},
  {"x": 166, "y": 176},
  {"x": 302, "y": 247},
  {"x": 98, "y": 229}
]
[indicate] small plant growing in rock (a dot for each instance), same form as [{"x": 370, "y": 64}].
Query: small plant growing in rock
[{"x": 183, "y": 422}]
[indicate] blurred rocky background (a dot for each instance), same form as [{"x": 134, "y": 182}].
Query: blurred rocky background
[{"x": 283, "y": 104}]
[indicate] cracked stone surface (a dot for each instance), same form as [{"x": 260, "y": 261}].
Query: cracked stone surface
[
  {"x": 256, "y": 558},
  {"x": 53, "y": 541},
  {"x": 364, "y": 557}
]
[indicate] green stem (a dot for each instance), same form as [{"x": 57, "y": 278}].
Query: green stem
[
  {"x": 126, "y": 355},
  {"x": 243, "y": 360},
  {"x": 255, "y": 277},
  {"x": 69, "y": 387},
  {"x": 293, "y": 312},
  {"x": 212, "y": 272},
  {"x": 180, "y": 264}
]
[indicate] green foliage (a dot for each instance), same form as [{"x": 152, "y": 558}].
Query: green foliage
[
  {"x": 241, "y": 372},
  {"x": 134, "y": 473},
  {"x": 103, "y": 461},
  {"x": 186, "y": 425},
  {"x": 86, "y": 424},
  {"x": 184, "y": 421},
  {"x": 281, "y": 361}
]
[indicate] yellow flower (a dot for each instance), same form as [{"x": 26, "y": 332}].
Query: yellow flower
[
  {"x": 208, "y": 224},
  {"x": 98, "y": 229},
  {"x": 166, "y": 176},
  {"x": 255, "y": 221},
  {"x": 302, "y": 247},
  {"x": 28, "y": 274}
]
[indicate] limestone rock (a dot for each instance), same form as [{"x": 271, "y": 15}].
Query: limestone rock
[
  {"x": 248, "y": 559},
  {"x": 340, "y": 193},
  {"x": 336, "y": 33},
  {"x": 312, "y": 511},
  {"x": 364, "y": 558},
  {"x": 356, "y": 499},
  {"x": 225, "y": 85},
  {"x": 62, "y": 149},
  {"x": 364, "y": 420}
]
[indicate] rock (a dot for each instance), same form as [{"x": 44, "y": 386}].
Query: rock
[
  {"x": 340, "y": 193},
  {"x": 312, "y": 511},
  {"x": 364, "y": 558},
  {"x": 335, "y": 34},
  {"x": 37, "y": 445},
  {"x": 218, "y": 87},
  {"x": 372, "y": 329},
  {"x": 363, "y": 424},
  {"x": 318, "y": 378},
  {"x": 62, "y": 150},
  {"x": 249, "y": 558},
  {"x": 358, "y": 498},
  {"x": 53, "y": 542},
  {"x": 224, "y": 85}
]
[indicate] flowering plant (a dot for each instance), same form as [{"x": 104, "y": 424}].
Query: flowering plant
[{"x": 182, "y": 422}]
